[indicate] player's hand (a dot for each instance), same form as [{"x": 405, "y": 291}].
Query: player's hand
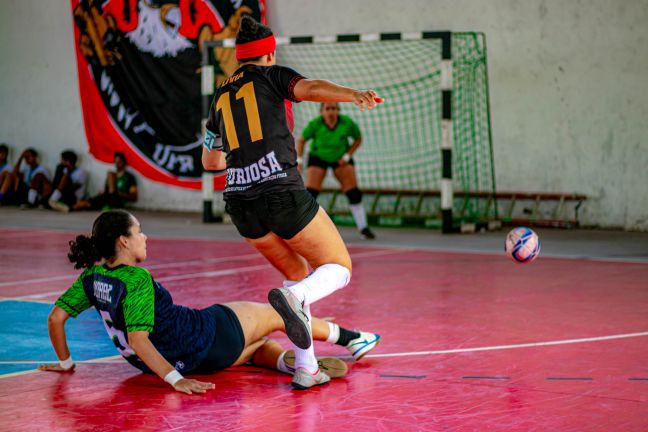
[
  {"x": 300, "y": 167},
  {"x": 366, "y": 99},
  {"x": 191, "y": 386},
  {"x": 54, "y": 367},
  {"x": 341, "y": 162}
]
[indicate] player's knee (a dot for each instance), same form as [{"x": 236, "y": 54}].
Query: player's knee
[
  {"x": 313, "y": 192},
  {"x": 354, "y": 195},
  {"x": 340, "y": 274}
]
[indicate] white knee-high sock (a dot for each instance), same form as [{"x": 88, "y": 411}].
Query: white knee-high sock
[
  {"x": 322, "y": 282},
  {"x": 359, "y": 215},
  {"x": 305, "y": 358}
]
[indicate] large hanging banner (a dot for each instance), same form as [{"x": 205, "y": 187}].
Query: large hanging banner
[{"x": 139, "y": 78}]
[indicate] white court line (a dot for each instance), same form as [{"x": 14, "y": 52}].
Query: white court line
[
  {"x": 111, "y": 360},
  {"x": 504, "y": 347},
  {"x": 202, "y": 274},
  {"x": 154, "y": 267}
]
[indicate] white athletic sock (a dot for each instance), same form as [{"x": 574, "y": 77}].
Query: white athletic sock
[
  {"x": 334, "y": 332},
  {"x": 31, "y": 196},
  {"x": 359, "y": 215},
  {"x": 305, "y": 358},
  {"x": 56, "y": 195},
  {"x": 281, "y": 366},
  {"x": 289, "y": 283},
  {"x": 322, "y": 282}
]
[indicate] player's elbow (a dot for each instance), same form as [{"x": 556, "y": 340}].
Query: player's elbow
[
  {"x": 308, "y": 90},
  {"x": 56, "y": 317}
]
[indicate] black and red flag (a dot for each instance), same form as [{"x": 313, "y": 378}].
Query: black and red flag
[{"x": 138, "y": 64}]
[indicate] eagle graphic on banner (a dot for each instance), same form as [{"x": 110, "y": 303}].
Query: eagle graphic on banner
[{"x": 139, "y": 78}]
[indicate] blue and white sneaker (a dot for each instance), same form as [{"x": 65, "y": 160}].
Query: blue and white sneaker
[{"x": 358, "y": 347}]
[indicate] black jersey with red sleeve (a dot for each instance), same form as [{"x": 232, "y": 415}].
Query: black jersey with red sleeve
[{"x": 251, "y": 114}]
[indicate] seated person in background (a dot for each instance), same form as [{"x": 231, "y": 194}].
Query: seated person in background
[
  {"x": 5, "y": 170},
  {"x": 28, "y": 181},
  {"x": 120, "y": 189},
  {"x": 5, "y": 166},
  {"x": 69, "y": 183}
]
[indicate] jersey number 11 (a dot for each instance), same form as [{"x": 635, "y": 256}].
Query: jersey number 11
[{"x": 251, "y": 112}]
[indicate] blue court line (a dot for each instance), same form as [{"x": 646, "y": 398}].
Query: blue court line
[{"x": 23, "y": 336}]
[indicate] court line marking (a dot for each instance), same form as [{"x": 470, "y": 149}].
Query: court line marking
[
  {"x": 212, "y": 273},
  {"x": 153, "y": 266},
  {"x": 514, "y": 346},
  {"x": 99, "y": 360},
  {"x": 417, "y": 353}
]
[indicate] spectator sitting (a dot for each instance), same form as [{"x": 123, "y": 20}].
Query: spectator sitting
[
  {"x": 5, "y": 166},
  {"x": 69, "y": 183},
  {"x": 5, "y": 170},
  {"x": 27, "y": 182},
  {"x": 120, "y": 188}
]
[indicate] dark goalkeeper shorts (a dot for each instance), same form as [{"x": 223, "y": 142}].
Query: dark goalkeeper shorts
[
  {"x": 318, "y": 162},
  {"x": 283, "y": 213}
]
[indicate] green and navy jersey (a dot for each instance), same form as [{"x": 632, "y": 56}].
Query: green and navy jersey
[
  {"x": 128, "y": 299},
  {"x": 330, "y": 144},
  {"x": 252, "y": 115}
]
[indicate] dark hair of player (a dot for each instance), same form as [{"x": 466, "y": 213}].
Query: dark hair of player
[
  {"x": 69, "y": 156},
  {"x": 249, "y": 31},
  {"x": 33, "y": 152},
  {"x": 4, "y": 148},
  {"x": 107, "y": 228}
]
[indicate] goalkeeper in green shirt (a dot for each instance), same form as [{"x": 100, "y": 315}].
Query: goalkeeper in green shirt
[{"x": 335, "y": 138}]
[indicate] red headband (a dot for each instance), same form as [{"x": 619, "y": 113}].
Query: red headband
[{"x": 256, "y": 48}]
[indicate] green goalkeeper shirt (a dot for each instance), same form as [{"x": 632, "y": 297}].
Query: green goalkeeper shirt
[{"x": 330, "y": 144}]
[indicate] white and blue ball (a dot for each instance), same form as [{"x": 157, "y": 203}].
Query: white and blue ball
[{"x": 522, "y": 245}]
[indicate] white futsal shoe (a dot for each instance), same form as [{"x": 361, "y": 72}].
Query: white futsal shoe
[
  {"x": 331, "y": 366},
  {"x": 303, "y": 379},
  {"x": 291, "y": 310},
  {"x": 358, "y": 347}
]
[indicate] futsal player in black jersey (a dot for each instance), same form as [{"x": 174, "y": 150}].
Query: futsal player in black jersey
[{"x": 249, "y": 132}]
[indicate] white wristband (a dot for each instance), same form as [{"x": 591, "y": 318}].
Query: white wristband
[
  {"x": 299, "y": 160},
  {"x": 67, "y": 364},
  {"x": 346, "y": 157},
  {"x": 173, "y": 377}
]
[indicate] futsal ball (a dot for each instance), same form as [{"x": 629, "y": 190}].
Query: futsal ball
[{"x": 522, "y": 245}]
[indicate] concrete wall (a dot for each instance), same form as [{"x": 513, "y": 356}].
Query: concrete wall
[{"x": 569, "y": 88}]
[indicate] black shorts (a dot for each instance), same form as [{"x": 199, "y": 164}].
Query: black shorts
[
  {"x": 318, "y": 162},
  {"x": 283, "y": 213},
  {"x": 228, "y": 344}
]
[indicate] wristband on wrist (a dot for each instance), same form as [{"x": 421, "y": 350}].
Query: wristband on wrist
[
  {"x": 299, "y": 159},
  {"x": 346, "y": 157},
  {"x": 173, "y": 377},
  {"x": 67, "y": 364}
]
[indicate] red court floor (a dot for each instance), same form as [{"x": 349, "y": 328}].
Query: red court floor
[{"x": 471, "y": 342}]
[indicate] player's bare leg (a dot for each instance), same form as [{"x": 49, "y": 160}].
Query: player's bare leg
[{"x": 281, "y": 256}]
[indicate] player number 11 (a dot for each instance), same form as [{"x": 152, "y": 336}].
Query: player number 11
[{"x": 251, "y": 112}]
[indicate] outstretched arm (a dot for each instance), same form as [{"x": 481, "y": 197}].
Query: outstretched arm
[
  {"x": 147, "y": 352},
  {"x": 56, "y": 330},
  {"x": 326, "y": 91}
]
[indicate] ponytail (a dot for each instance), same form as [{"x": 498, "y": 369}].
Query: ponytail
[
  {"x": 83, "y": 252},
  {"x": 107, "y": 228}
]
